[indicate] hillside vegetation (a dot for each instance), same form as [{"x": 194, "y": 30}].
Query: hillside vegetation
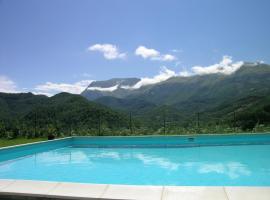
[
  {"x": 30, "y": 115},
  {"x": 214, "y": 103}
]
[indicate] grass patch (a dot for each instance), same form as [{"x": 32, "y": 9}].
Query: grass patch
[{"x": 16, "y": 141}]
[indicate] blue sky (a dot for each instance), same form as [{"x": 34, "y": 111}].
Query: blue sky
[{"x": 64, "y": 42}]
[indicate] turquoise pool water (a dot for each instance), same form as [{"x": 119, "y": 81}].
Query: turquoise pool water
[{"x": 91, "y": 161}]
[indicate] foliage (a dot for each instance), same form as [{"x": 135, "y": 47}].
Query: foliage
[
  {"x": 181, "y": 105},
  {"x": 61, "y": 115}
]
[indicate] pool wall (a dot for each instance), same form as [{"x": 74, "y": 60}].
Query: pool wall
[
  {"x": 13, "y": 152},
  {"x": 171, "y": 141}
]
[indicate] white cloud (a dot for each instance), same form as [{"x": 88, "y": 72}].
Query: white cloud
[
  {"x": 50, "y": 88},
  {"x": 166, "y": 57},
  {"x": 109, "y": 51},
  {"x": 185, "y": 73},
  {"x": 253, "y": 64},
  {"x": 153, "y": 54},
  {"x": 163, "y": 75},
  {"x": 102, "y": 89},
  {"x": 7, "y": 85},
  {"x": 146, "y": 53},
  {"x": 225, "y": 66},
  {"x": 43, "y": 93}
]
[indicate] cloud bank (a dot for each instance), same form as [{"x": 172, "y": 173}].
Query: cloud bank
[
  {"x": 7, "y": 85},
  {"x": 102, "y": 89},
  {"x": 109, "y": 51},
  {"x": 50, "y": 88},
  {"x": 163, "y": 75},
  {"x": 153, "y": 54},
  {"x": 225, "y": 66}
]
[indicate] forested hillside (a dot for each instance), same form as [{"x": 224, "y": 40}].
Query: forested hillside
[
  {"x": 240, "y": 100},
  {"x": 32, "y": 115},
  {"x": 213, "y": 103}
]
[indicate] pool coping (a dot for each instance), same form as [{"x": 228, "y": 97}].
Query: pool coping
[
  {"x": 31, "y": 143},
  {"x": 27, "y": 189}
]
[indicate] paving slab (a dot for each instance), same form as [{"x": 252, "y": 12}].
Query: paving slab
[
  {"x": 35, "y": 188},
  {"x": 78, "y": 190},
  {"x": 24, "y": 188},
  {"x": 133, "y": 192},
  {"x": 248, "y": 193},
  {"x": 193, "y": 193},
  {"x": 5, "y": 182}
]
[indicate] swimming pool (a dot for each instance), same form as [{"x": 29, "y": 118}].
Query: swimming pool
[{"x": 230, "y": 160}]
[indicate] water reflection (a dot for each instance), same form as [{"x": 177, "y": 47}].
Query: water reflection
[
  {"x": 183, "y": 167},
  {"x": 232, "y": 169},
  {"x": 158, "y": 161},
  {"x": 59, "y": 158},
  {"x": 110, "y": 155}
]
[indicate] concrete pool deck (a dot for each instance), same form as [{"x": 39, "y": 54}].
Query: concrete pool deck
[{"x": 32, "y": 190}]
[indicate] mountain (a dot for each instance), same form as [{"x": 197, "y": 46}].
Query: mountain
[
  {"x": 16, "y": 105},
  {"x": 137, "y": 105},
  {"x": 215, "y": 96},
  {"x": 247, "y": 80},
  {"x": 211, "y": 103},
  {"x": 26, "y": 113},
  {"x": 99, "y": 89}
]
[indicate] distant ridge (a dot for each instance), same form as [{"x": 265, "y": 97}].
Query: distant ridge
[{"x": 218, "y": 95}]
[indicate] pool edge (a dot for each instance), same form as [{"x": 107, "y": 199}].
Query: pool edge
[
  {"x": 135, "y": 136},
  {"x": 32, "y": 143},
  {"x": 20, "y": 189}
]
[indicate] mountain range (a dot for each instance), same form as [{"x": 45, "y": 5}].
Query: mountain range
[
  {"x": 217, "y": 102},
  {"x": 215, "y": 96}
]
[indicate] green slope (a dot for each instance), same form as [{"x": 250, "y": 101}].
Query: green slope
[
  {"x": 216, "y": 97},
  {"x": 62, "y": 114}
]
